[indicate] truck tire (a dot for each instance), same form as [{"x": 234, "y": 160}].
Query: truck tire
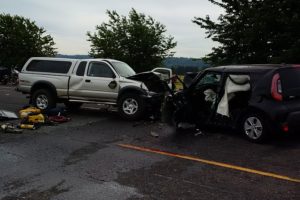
[
  {"x": 131, "y": 106},
  {"x": 43, "y": 99}
]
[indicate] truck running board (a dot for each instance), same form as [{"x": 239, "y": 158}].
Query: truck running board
[{"x": 94, "y": 102}]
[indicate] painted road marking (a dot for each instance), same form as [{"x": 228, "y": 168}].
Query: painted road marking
[{"x": 210, "y": 162}]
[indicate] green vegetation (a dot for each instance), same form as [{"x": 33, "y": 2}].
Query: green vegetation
[
  {"x": 138, "y": 40},
  {"x": 254, "y": 31},
  {"x": 21, "y": 39}
]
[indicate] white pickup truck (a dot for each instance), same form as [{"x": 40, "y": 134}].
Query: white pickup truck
[{"x": 105, "y": 81}]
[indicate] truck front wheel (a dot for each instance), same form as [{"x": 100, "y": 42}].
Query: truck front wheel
[
  {"x": 131, "y": 106},
  {"x": 43, "y": 99}
]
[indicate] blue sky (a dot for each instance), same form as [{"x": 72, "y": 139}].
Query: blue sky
[{"x": 68, "y": 21}]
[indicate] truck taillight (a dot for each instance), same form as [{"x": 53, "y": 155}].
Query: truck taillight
[{"x": 276, "y": 89}]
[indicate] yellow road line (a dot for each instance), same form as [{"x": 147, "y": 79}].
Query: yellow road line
[{"x": 219, "y": 164}]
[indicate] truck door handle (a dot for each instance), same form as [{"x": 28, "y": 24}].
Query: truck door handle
[{"x": 88, "y": 81}]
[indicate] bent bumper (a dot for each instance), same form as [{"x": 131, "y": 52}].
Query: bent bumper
[{"x": 153, "y": 102}]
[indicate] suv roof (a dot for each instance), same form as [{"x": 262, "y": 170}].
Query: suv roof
[{"x": 247, "y": 68}]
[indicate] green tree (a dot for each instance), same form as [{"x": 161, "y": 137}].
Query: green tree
[
  {"x": 21, "y": 39},
  {"x": 254, "y": 31},
  {"x": 138, "y": 40}
]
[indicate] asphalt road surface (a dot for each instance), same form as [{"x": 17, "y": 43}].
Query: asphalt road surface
[{"x": 97, "y": 155}]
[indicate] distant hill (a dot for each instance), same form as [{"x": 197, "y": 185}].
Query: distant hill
[
  {"x": 179, "y": 64},
  {"x": 181, "y": 61}
]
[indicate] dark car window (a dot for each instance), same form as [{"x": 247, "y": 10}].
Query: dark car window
[
  {"x": 61, "y": 67},
  {"x": 81, "y": 69},
  {"x": 99, "y": 69},
  {"x": 290, "y": 80},
  {"x": 209, "y": 78}
]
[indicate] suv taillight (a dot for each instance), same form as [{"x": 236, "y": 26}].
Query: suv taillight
[{"x": 276, "y": 89}]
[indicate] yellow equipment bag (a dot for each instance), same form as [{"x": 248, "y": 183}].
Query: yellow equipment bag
[
  {"x": 29, "y": 111},
  {"x": 35, "y": 118}
]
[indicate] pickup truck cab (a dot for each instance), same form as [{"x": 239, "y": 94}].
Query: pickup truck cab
[{"x": 102, "y": 81}]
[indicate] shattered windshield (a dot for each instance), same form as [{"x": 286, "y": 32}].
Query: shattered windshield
[{"x": 123, "y": 69}]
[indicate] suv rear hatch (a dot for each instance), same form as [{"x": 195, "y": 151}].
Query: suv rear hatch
[
  {"x": 289, "y": 86},
  {"x": 290, "y": 82}
]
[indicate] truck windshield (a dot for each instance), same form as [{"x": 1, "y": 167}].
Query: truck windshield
[{"x": 123, "y": 69}]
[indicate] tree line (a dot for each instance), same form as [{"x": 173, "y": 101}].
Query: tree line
[{"x": 249, "y": 31}]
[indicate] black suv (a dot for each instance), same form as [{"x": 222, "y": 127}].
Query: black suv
[{"x": 257, "y": 99}]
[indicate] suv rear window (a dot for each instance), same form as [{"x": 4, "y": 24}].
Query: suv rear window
[
  {"x": 61, "y": 67},
  {"x": 290, "y": 80}
]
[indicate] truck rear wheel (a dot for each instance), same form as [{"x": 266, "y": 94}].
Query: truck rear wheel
[
  {"x": 131, "y": 106},
  {"x": 43, "y": 99}
]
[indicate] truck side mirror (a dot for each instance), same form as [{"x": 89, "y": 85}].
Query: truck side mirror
[{"x": 113, "y": 84}]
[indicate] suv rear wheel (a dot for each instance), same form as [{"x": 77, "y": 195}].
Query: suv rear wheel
[
  {"x": 131, "y": 106},
  {"x": 255, "y": 127},
  {"x": 43, "y": 99}
]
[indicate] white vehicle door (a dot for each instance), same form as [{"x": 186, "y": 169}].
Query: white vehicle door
[
  {"x": 166, "y": 75},
  {"x": 77, "y": 81},
  {"x": 100, "y": 83}
]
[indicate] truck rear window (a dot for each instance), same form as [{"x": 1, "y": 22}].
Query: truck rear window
[
  {"x": 290, "y": 80},
  {"x": 61, "y": 67}
]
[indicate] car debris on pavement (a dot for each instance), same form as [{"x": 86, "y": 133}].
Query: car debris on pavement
[
  {"x": 10, "y": 128},
  {"x": 4, "y": 114},
  {"x": 154, "y": 134}
]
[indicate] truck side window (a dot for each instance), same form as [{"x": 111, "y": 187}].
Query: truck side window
[
  {"x": 52, "y": 66},
  {"x": 98, "y": 69},
  {"x": 81, "y": 69}
]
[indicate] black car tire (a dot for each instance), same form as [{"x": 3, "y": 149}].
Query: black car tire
[
  {"x": 4, "y": 80},
  {"x": 131, "y": 106},
  {"x": 73, "y": 106},
  {"x": 255, "y": 127},
  {"x": 43, "y": 99}
]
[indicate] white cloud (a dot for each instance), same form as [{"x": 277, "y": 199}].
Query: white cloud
[{"x": 68, "y": 21}]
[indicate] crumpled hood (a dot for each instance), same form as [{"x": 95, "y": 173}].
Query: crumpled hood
[{"x": 152, "y": 81}]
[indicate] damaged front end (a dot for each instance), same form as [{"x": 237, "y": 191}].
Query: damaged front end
[
  {"x": 152, "y": 81},
  {"x": 208, "y": 101},
  {"x": 175, "y": 105},
  {"x": 173, "y": 108},
  {"x": 154, "y": 90}
]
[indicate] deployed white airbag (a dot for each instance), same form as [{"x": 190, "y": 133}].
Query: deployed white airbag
[{"x": 234, "y": 83}]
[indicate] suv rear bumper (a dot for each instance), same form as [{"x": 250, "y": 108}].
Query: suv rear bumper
[{"x": 292, "y": 123}]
